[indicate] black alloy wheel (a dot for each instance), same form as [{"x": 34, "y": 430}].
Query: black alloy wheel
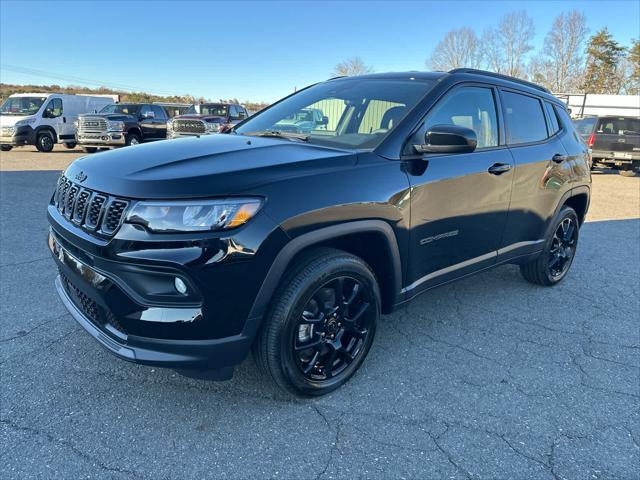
[
  {"x": 553, "y": 264},
  {"x": 321, "y": 322},
  {"x": 332, "y": 329},
  {"x": 44, "y": 142},
  {"x": 563, "y": 248}
]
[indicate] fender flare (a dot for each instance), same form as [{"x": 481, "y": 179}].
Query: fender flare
[
  {"x": 579, "y": 190},
  {"x": 45, "y": 128},
  {"x": 296, "y": 245}
]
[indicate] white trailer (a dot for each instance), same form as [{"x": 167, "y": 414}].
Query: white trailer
[{"x": 591, "y": 104}]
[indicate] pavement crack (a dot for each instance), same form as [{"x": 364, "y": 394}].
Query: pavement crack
[
  {"x": 26, "y": 262},
  {"x": 25, "y": 333},
  {"x": 78, "y": 452}
]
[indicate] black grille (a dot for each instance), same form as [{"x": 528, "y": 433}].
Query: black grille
[
  {"x": 114, "y": 215},
  {"x": 81, "y": 206},
  {"x": 93, "y": 211},
  {"x": 88, "y": 307}
]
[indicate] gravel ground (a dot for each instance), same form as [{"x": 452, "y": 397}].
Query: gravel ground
[{"x": 489, "y": 377}]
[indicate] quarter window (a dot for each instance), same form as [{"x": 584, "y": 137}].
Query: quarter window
[
  {"x": 554, "y": 126},
  {"x": 471, "y": 107},
  {"x": 524, "y": 118}
]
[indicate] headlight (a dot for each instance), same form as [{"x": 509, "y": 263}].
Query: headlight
[
  {"x": 26, "y": 121},
  {"x": 76, "y": 124},
  {"x": 212, "y": 127},
  {"x": 194, "y": 215},
  {"x": 115, "y": 126}
]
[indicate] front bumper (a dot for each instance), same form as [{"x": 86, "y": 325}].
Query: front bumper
[
  {"x": 178, "y": 354},
  {"x": 171, "y": 135},
  {"x": 101, "y": 139},
  {"x": 77, "y": 285},
  {"x": 23, "y": 135}
]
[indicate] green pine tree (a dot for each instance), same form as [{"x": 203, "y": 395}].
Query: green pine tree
[{"x": 604, "y": 55}]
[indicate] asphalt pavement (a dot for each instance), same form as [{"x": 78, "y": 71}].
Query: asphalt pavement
[{"x": 489, "y": 377}]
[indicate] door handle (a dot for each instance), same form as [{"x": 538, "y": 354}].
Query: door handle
[
  {"x": 499, "y": 168},
  {"x": 559, "y": 158}
]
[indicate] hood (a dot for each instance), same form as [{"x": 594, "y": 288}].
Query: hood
[
  {"x": 11, "y": 120},
  {"x": 207, "y": 166},
  {"x": 206, "y": 118},
  {"x": 110, "y": 116}
]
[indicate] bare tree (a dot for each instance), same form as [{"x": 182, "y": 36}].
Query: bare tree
[
  {"x": 563, "y": 48},
  {"x": 505, "y": 48},
  {"x": 351, "y": 67},
  {"x": 459, "y": 48}
]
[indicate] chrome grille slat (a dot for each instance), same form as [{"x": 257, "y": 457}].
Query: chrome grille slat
[
  {"x": 93, "y": 211},
  {"x": 92, "y": 124},
  {"x": 188, "y": 126}
]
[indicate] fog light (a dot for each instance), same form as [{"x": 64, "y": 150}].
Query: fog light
[{"x": 181, "y": 287}]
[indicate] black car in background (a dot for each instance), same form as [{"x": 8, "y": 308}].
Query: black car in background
[
  {"x": 614, "y": 141},
  {"x": 189, "y": 254},
  {"x": 122, "y": 124}
]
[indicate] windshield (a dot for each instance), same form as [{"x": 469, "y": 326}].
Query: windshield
[
  {"x": 584, "y": 126},
  {"x": 214, "y": 110},
  {"x": 22, "y": 105},
  {"x": 126, "y": 109},
  {"x": 349, "y": 113}
]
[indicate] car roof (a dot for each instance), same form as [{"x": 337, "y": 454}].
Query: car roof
[{"x": 467, "y": 74}]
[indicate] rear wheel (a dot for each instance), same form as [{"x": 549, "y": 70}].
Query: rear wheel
[
  {"x": 321, "y": 323},
  {"x": 45, "y": 142},
  {"x": 89, "y": 149},
  {"x": 6, "y": 148},
  {"x": 559, "y": 250}
]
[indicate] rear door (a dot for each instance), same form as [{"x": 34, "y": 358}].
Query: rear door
[
  {"x": 543, "y": 171},
  {"x": 159, "y": 121},
  {"x": 458, "y": 206}
]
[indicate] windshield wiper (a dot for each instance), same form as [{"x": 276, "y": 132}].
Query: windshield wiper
[{"x": 279, "y": 134}]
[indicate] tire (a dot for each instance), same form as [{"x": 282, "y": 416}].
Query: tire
[
  {"x": 558, "y": 253},
  {"x": 70, "y": 145},
  {"x": 628, "y": 173},
  {"x": 6, "y": 148},
  {"x": 320, "y": 324},
  {"x": 89, "y": 149},
  {"x": 132, "y": 139},
  {"x": 45, "y": 142}
]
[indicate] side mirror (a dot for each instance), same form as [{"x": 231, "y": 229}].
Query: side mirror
[
  {"x": 448, "y": 139},
  {"x": 48, "y": 113}
]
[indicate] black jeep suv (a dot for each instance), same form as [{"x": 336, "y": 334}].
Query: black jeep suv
[
  {"x": 188, "y": 254},
  {"x": 121, "y": 124}
]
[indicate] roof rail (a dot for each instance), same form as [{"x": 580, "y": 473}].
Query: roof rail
[{"x": 501, "y": 76}]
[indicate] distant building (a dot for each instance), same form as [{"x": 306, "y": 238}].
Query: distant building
[{"x": 589, "y": 104}]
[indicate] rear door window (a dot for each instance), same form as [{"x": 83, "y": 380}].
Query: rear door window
[
  {"x": 524, "y": 118},
  {"x": 584, "y": 126},
  {"x": 159, "y": 112}
]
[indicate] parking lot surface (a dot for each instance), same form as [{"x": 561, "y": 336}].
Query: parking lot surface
[{"x": 489, "y": 377}]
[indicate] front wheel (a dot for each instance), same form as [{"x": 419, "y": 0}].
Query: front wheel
[
  {"x": 630, "y": 172},
  {"x": 132, "y": 139},
  {"x": 45, "y": 142},
  {"x": 71, "y": 145},
  {"x": 89, "y": 149},
  {"x": 6, "y": 148},
  {"x": 559, "y": 250},
  {"x": 321, "y": 323}
]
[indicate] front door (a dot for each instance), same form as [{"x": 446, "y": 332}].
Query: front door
[{"x": 459, "y": 202}]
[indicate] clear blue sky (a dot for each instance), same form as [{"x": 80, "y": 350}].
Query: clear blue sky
[{"x": 250, "y": 50}]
